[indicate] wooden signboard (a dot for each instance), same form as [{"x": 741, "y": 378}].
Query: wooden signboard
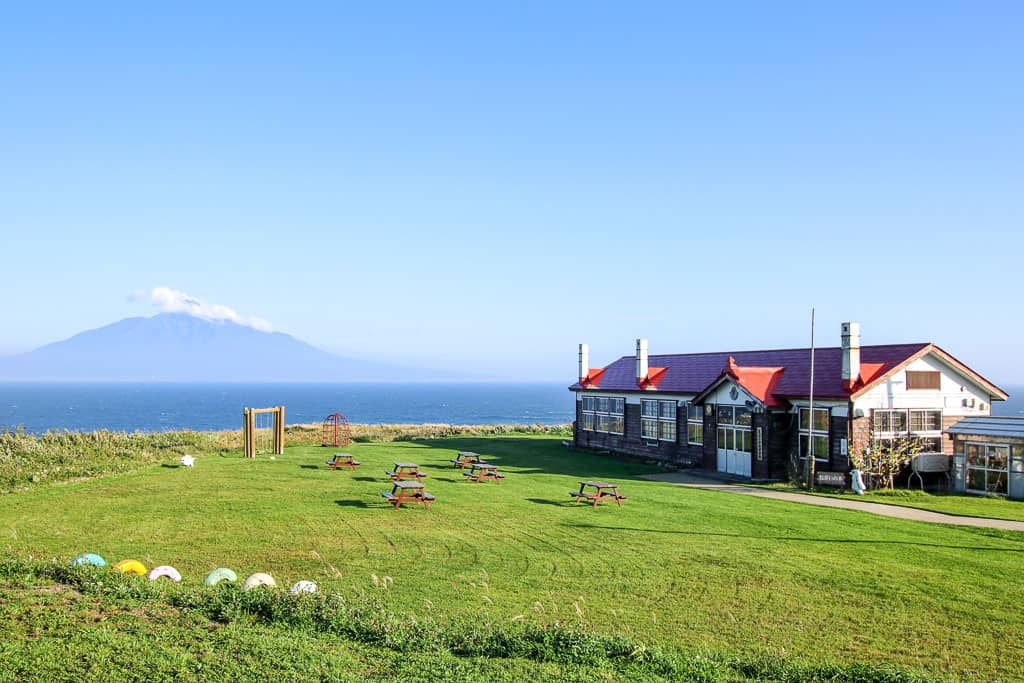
[{"x": 830, "y": 479}]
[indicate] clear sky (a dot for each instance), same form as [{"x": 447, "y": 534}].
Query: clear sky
[{"x": 483, "y": 186}]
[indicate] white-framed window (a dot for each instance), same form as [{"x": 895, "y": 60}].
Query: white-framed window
[
  {"x": 604, "y": 414},
  {"x": 658, "y": 420},
  {"x": 814, "y": 433},
  {"x": 734, "y": 428},
  {"x": 694, "y": 424},
  {"x": 988, "y": 467},
  {"x": 922, "y": 425}
]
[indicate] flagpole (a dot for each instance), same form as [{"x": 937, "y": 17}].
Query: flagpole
[{"x": 810, "y": 415}]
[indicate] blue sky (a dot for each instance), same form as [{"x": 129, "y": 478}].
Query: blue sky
[{"x": 483, "y": 186}]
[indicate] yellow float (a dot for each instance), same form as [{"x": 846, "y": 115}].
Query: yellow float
[{"x": 133, "y": 566}]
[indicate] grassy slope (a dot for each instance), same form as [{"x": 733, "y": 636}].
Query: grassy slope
[
  {"x": 966, "y": 505},
  {"x": 154, "y": 642},
  {"x": 697, "y": 569}
]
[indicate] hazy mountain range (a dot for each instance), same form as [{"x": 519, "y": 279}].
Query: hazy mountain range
[{"x": 181, "y": 348}]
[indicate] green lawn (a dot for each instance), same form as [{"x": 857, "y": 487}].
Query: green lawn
[
  {"x": 674, "y": 567},
  {"x": 962, "y": 504}
]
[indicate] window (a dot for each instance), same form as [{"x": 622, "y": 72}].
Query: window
[
  {"x": 924, "y": 379},
  {"x": 658, "y": 420},
  {"x": 987, "y": 467},
  {"x": 926, "y": 420},
  {"x": 923, "y": 426},
  {"x": 814, "y": 433},
  {"x": 604, "y": 414},
  {"x": 694, "y": 424},
  {"x": 734, "y": 428}
]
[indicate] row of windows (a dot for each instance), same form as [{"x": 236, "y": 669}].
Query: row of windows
[
  {"x": 923, "y": 426},
  {"x": 658, "y": 423},
  {"x": 657, "y": 418},
  {"x": 604, "y": 414},
  {"x": 602, "y": 404}
]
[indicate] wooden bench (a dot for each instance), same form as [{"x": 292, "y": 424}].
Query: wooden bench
[
  {"x": 465, "y": 459},
  {"x": 590, "y": 496},
  {"x": 477, "y": 476},
  {"x": 403, "y": 475},
  {"x": 343, "y": 460},
  {"x": 602, "y": 492},
  {"x": 408, "y": 492},
  {"x": 480, "y": 471}
]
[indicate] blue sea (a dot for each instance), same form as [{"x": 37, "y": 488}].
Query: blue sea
[
  {"x": 161, "y": 407},
  {"x": 39, "y": 407}
]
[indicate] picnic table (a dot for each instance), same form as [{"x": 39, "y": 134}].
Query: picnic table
[
  {"x": 408, "y": 492},
  {"x": 405, "y": 470},
  {"x": 602, "y": 491},
  {"x": 465, "y": 458},
  {"x": 478, "y": 471},
  {"x": 343, "y": 460}
]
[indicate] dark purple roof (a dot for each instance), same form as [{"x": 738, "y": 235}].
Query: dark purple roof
[{"x": 691, "y": 373}]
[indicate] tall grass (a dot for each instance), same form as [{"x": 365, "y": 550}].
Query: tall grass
[
  {"x": 366, "y": 618},
  {"x": 28, "y": 460}
]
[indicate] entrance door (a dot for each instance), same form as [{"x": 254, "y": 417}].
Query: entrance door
[{"x": 734, "y": 446}]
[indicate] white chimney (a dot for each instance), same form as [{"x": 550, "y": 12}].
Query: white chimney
[
  {"x": 851, "y": 353},
  {"x": 584, "y": 361},
  {"x": 641, "y": 359}
]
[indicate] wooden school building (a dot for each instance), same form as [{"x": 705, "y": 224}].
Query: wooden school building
[{"x": 748, "y": 413}]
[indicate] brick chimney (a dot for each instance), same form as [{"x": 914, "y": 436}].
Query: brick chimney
[
  {"x": 851, "y": 354},
  {"x": 641, "y": 360},
  {"x": 584, "y": 361}
]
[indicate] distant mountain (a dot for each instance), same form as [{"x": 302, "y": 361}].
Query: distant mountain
[{"x": 181, "y": 348}]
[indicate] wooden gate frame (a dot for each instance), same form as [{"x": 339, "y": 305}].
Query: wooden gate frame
[{"x": 249, "y": 429}]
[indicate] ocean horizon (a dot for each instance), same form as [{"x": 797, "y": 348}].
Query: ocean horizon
[{"x": 155, "y": 407}]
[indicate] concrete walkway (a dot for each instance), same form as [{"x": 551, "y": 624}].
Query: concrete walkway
[{"x": 915, "y": 514}]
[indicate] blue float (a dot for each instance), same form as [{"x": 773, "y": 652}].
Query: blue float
[{"x": 89, "y": 558}]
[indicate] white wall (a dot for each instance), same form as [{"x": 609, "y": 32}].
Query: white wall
[
  {"x": 721, "y": 395},
  {"x": 954, "y": 388},
  {"x": 634, "y": 399},
  {"x": 838, "y": 408}
]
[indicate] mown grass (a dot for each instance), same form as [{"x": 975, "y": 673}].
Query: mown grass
[
  {"x": 675, "y": 569},
  {"x": 28, "y": 460},
  {"x": 962, "y": 504}
]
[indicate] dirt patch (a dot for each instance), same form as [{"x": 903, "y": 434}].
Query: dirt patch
[{"x": 58, "y": 588}]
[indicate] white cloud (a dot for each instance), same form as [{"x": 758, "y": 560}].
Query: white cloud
[{"x": 175, "y": 301}]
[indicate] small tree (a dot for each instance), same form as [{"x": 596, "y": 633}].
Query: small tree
[{"x": 883, "y": 459}]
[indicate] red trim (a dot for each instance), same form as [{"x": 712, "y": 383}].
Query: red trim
[
  {"x": 758, "y": 381},
  {"x": 593, "y": 378},
  {"x": 653, "y": 378}
]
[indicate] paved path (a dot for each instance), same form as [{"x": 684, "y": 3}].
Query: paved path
[{"x": 918, "y": 515}]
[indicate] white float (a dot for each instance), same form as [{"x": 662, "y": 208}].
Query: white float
[
  {"x": 259, "y": 579},
  {"x": 218, "y": 575},
  {"x": 165, "y": 571}
]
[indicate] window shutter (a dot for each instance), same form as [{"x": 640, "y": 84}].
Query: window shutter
[{"x": 924, "y": 379}]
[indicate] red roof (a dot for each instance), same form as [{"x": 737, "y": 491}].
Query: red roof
[
  {"x": 759, "y": 381},
  {"x": 771, "y": 375}
]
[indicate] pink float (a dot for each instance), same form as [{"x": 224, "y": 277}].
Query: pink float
[{"x": 165, "y": 571}]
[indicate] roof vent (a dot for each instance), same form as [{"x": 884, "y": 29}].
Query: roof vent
[
  {"x": 584, "y": 361},
  {"x": 641, "y": 360},
  {"x": 851, "y": 354}
]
